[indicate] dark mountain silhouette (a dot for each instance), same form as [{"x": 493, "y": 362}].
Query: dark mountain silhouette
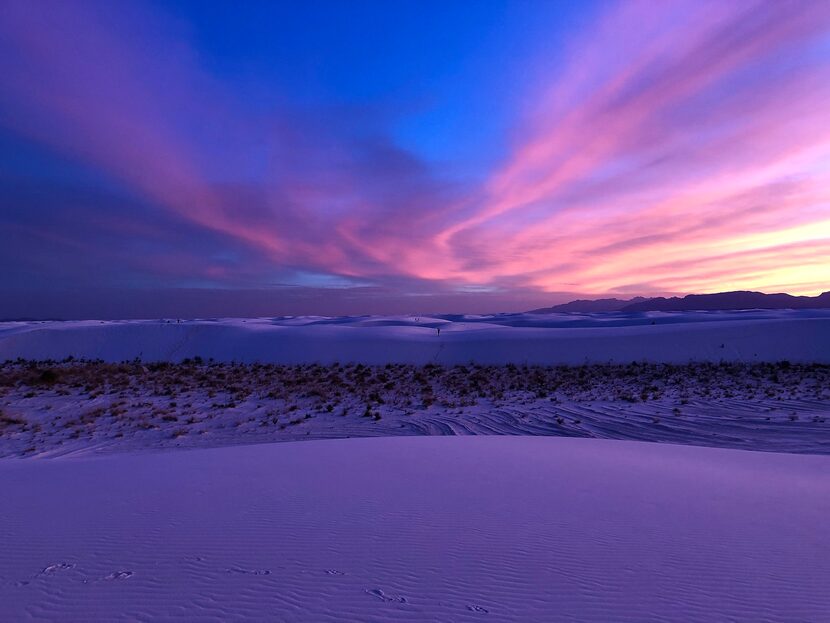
[
  {"x": 721, "y": 300},
  {"x": 732, "y": 300},
  {"x": 582, "y": 305}
]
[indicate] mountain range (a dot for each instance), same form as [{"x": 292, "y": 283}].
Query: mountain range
[{"x": 720, "y": 300}]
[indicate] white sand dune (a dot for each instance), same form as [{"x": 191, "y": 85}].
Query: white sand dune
[
  {"x": 799, "y": 336},
  {"x": 419, "y": 529},
  {"x": 498, "y": 521}
]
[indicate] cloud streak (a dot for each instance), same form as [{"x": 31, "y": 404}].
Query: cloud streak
[
  {"x": 677, "y": 154},
  {"x": 677, "y": 147}
]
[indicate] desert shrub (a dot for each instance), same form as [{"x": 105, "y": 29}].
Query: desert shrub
[{"x": 48, "y": 377}]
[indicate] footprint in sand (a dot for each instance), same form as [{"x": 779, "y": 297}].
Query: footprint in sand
[
  {"x": 119, "y": 575},
  {"x": 48, "y": 570},
  {"x": 250, "y": 571},
  {"x": 58, "y": 566},
  {"x": 376, "y": 592},
  {"x": 479, "y": 609}
]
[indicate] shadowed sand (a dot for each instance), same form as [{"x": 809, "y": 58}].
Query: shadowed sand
[
  {"x": 415, "y": 529},
  {"x": 517, "y": 520}
]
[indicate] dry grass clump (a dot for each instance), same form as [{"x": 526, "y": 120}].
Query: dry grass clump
[
  {"x": 11, "y": 421},
  {"x": 399, "y": 385},
  {"x": 49, "y": 402}
]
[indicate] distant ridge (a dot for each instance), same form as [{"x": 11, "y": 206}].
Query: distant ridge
[
  {"x": 720, "y": 300},
  {"x": 598, "y": 305}
]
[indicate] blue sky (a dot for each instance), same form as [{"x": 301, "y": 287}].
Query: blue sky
[{"x": 329, "y": 157}]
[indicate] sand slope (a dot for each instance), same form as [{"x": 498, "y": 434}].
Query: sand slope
[
  {"x": 802, "y": 336},
  {"x": 419, "y": 529}
]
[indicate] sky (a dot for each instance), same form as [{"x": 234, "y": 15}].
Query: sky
[{"x": 186, "y": 158}]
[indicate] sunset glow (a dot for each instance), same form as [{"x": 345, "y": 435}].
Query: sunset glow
[{"x": 626, "y": 148}]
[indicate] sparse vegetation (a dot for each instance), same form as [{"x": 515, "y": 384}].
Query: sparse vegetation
[{"x": 274, "y": 399}]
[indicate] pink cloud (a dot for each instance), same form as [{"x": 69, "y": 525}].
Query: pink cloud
[
  {"x": 647, "y": 163},
  {"x": 683, "y": 145}
]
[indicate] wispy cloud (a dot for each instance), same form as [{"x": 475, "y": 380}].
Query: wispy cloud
[
  {"x": 680, "y": 146},
  {"x": 709, "y": 132}
]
